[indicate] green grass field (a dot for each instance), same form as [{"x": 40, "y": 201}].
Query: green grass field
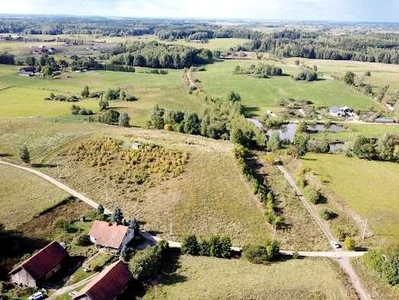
[
  {"x": 381, "y": 74},
  {"x": 23, "y": 195},
  {"x": 368, "y": 187},
  {"x": 25, "y": 96},
  {"x": 212, "y": 278},
  {"x": 219, "y": 80}
]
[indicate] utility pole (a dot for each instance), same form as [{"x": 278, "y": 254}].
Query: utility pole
[{"x": 364, "y": 229}]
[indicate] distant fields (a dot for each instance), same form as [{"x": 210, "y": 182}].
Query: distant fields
[
  {"x": 212, "y": 278},
  {"x": 381, "y": 74},
  {"x": 22, "y": 195},
  {"x": 369, "y": 187},
  {"x": 219, "y": 80}
]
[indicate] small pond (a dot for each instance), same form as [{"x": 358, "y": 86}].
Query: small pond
[{"x": 287, "y": 131}]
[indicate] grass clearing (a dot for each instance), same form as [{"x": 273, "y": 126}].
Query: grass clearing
[
  {"x": 219, "y": 80},
  {"x": 24, "y": 195},
  {"x": 368, "y": 187},
  {"x": 213, "y": 278}
]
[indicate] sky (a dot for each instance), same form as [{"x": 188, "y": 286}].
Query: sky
[{"x": 326, "y": 10}]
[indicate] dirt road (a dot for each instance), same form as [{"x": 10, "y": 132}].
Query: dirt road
[{"x": 343, "y": 260}]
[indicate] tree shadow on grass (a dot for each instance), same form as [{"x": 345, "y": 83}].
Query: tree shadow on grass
[
  {"x": 43, "y": 165},
  {"x": 251, "y": 111},
  {"x": 5, "y": 155}
]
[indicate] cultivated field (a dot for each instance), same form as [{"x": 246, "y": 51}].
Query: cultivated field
[
  {"x": 212, "y": 278},
  {"x": 24, "y": 195},
  {"x": 219, "y": 80},
  {"x": 368, "y": 187}
]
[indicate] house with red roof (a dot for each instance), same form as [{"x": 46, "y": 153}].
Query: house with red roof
[
  {"x": 110, "y": 236},
  {"x": 107, "y": 285},
  {"x": 41, "y": 266}
]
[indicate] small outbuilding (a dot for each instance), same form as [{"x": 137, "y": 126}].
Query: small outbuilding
[
  {"x": 41, "y": 266},
  {"x": 27, "y": 71},
  {"x": 108, "y": 285},
  {"x": 384, "y": 120}
]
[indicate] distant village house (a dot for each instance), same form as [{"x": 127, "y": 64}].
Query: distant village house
[
  {"x": 107, "y": 285},
  {"x": 342, "y": 112},
  {"x": 110, "y": 236},
  {"x": 41, "y": 266},
  {"x": 27, "y": 71}
]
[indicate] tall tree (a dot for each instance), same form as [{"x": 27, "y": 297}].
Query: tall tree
[
  {"x": 117, "y": 216},
  {"x": 85, "y": 92},
  {"x": 24, "y": 154}
]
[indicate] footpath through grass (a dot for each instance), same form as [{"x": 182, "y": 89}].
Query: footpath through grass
[
  {"x": 213, "y": 278},
  {"x": 369, "y": 187}
]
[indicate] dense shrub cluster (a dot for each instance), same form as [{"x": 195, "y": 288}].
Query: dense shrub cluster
[
  {"x": 385, "y": 262},
  {"x": 216, "y": 246},
  {"x": 77, "y": 110},
  {"x": 383, "y": 148},
  {"x": 63, "y": 98},
  {"x": 259, "y": 254},
  {"x": 123, "y": 165},
  {"x": 147, "y": 264},
  {"x": 259, "y": 71},
  {"x": 306, "y": 75}
]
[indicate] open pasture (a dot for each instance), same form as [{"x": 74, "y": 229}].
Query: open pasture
[
  {"x": 24, "y": 97},
  {"x": 351, "y": 178},
  {"x": 261, "y": 93},
  {"x": 195, "y": 278}
]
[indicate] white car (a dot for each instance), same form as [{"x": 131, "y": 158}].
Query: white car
[
  {"x": 36, "y": 296},
  {"x": 335, "y": 244}
]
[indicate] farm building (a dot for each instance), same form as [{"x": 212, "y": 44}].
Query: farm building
[
  {"x": 110, "y": 236},
  {"x": 107, "y": 285},
  {"x": 27, "y": 71},
  {"x": 342, "y": 111},
  {"x": 384, "y": 120},
  {"x": 41, "y": 266}
]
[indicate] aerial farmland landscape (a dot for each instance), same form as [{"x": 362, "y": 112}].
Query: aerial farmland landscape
[{"x": 176, "y": 150}]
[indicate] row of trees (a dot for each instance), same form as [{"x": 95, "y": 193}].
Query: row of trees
[
  {"x": 206, "y": 33},
  {"x": 216, "y": 246},
  {"x": 259, "y": 71},
  {"x": 221, "y": 119}
]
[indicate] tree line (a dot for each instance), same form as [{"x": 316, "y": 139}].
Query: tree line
[
  {"x": 158, "y": 55},
  {"x": 376, "y": 47}
]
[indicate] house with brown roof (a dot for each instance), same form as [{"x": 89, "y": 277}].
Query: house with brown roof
[
  {"x": 107, "y": 285},
  {"x": 110, "y": 236},
  {"x": 41, "y": 266}
]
